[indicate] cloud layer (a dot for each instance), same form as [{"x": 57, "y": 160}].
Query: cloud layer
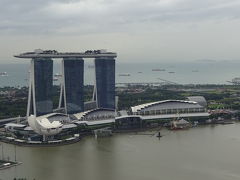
[
  {"x": 139, "y": 30},
  {"x": 89, "y": 16}
]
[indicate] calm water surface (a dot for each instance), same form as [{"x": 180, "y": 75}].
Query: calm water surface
[
  {"x": 184, "y": 72},
  {"x": 209, "y": 152}
]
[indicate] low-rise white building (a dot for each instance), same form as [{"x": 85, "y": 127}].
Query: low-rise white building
[{"x": 168, "y": 107}]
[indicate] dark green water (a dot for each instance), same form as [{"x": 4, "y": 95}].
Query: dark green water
[{"x": 209, "y": 152}]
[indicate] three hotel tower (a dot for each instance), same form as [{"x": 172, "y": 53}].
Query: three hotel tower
[{"x": 72, "y": 84}]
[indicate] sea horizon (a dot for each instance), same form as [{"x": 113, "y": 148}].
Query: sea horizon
[{"x": 195, "y": 72}]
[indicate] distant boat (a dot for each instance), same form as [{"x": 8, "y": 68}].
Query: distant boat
[
  {"x": 158, "y": 69},
  {"x": 171, "y": 72},
  {"x": 140, "y": 72},
  {"x": 3, "y": 74},
  {"x": 194, "y": 70},
  {"x": 124, "y": 74}
]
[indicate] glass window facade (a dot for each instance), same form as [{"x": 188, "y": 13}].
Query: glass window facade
[
  {"x": 73, "y": 74},
  {"x": 43, "y": 82},
  {"x": 105, "y": 82}
]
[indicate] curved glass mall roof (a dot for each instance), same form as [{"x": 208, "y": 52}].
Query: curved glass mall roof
[{"x": 166, "y": 104}]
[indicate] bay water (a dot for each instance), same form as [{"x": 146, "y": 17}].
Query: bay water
[
  {"x": 181, "y": 72},
  {"x": 204, "y": 152}
]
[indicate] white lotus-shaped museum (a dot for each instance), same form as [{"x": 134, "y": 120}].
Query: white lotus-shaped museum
[{"x": 43, "y": 126}]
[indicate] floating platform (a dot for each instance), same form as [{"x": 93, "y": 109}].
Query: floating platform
[{"x": 8, "y": 164}]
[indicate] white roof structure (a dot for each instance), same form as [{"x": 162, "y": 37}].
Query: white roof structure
[
  {"x": 199, "y": 99},
  {"x": 48, "y": 115},
  {"x": 128, "y": 116},
  {"x": 98, "y": 113},
  {"x": 90, "y": 123},
  {"x": 43, "y": 126},
  {"x": 80, "y": 122},
  {"x": 143, "y": 106},
  {"x": 44, "y": 122},
  {"x": 170, "y": 116},
  {"x": 15, "y": 125},
  {"x": 81, "y": 114},
  {"x": 69, "y": 126},
  {"x": 98, "y": 122},
  {"x": 54, "y": 117}
]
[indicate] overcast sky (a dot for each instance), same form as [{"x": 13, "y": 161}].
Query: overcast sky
[{"x": 138, "y": 30}]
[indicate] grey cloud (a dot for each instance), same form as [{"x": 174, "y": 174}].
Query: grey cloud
[{"x": 71, "y": 16}]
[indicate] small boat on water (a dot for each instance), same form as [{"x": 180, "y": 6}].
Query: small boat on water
[
  {"x": 3, "y": 74},
  {"x": 195, "y": 70},
  {"x": 158, "y": 69},
  {"x": 171, "y": 72}
]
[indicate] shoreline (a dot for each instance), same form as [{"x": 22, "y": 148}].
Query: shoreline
[
  {"x": 40, "y": 144},
  {"x": 155, "y": 130}
]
